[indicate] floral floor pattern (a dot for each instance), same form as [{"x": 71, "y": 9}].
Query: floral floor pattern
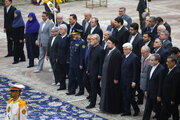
[{"x": 42, "y": 106}]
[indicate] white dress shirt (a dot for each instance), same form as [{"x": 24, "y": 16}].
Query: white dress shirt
[
  {"x": 92, "y": 29},
  {"x": 64, "y": 36},
  {"x": 53, "y": 40},
  {"x": 132, "y": 38},
  {"x": 44, "y": 25},
  {"x": 171, "y": 69},
  {"x": 152, "y": 70},
  {"x": 7, "y": 9},
  {"x": 111, "y": 50},
  {"x": 147, "y": 43}
]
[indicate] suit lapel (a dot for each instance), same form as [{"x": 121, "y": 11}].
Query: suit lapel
[{"x": 155, "y": 71}]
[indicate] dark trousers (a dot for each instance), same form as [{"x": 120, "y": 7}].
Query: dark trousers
[
  {"x": 75, "y": 77},
  {"x": 31, "y": 61},
  {"x": 9, "y": 44},
  {"x": 62, "y": 72},
  {"x": 150, "y": 103},
  {"x": 86, "y": 80},
  {"x": 167, "y": 109},
  {"x": 95, "y": 89},
  {"x": 56, "y": 70},
  {"x": 18, "y": 51},
  {"x": 129, "y": 99}
]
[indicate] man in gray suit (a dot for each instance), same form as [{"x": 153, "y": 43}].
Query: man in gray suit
[
  {"x": 167, "y": 45},
  {"x": 145, "y": 65},
  {"x": 43, "y": 39},
  {"x": 126, "y": 18}
]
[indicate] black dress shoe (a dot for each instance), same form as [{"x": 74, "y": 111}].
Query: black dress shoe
[
  {"x": 70, "y": 93},
  {"x": 8, "y": 55},
  {"x": 22, "y": 60},
  {"x": 126, "y": 114},
  {"x": 61, "y": 89},
  {"x": 139, "y": 102},
  {"x": 155, "y": 116},
  {"x": 15, "y": 62},
  {"x": 136, "y": 113},
  {"x": 79, "y": 94},
  {"x": 88, "y": 97},
  {"x": 90, "y": 106},
  {"x": 30, "y": 66}
]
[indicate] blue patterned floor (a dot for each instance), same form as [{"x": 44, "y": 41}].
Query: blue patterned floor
[{"x": 42, "y": 106}]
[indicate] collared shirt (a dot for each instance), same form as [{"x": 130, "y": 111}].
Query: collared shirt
[
  {"x": 132, "y": 38},
  {"x": 7, "y": 9},
  {"x": 87, "y": 24},
  {"x": 111, "y": 50},
  {"x": 60, "y": 24},
  {"x": 157, "y": 50},
  {"x": 53, "y": 40},
  {"x": 92, "y": 29},
  {"x": 147, "y": 43},
  {"x": 171, "y": 69},
  {"x": 152, "y": 70},
  {"x": 71, "y": 27},
  {"x": 64, "y": 36},
  {"x": 119, "y": 28},
  {"x": 152, "y": 28},
  {"x": 105, "y": 44},
  {"x": 128, "y": 54},
  {"x": 44, "y": 24}
]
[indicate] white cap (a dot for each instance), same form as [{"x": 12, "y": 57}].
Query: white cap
[{"x": 17, "y": 86}]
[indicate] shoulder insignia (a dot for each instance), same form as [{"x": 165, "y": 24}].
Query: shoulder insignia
[
  {"x": 83, "y": 46},
  {"x": 76, "y": 44},
  {"x": 24, "y": 111},
  {"x": 9, "y": 108}
]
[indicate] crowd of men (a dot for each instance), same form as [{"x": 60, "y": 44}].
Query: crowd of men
[{"x": 115, "y": 64}]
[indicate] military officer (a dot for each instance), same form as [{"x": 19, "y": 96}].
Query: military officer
[
  {"x": 77, "y": 51},
  {"x": 16, "y": 108}
]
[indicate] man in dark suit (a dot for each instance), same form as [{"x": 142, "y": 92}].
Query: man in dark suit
[
  {"x": 94, "y": 70},
  {"x": 161, "y": 51},
  {"x": 111, "y": 27},
  {"x": 8, "y": 20},
  {"x": 59, "y": 20},
  {"x": 127, "y": 19},
  {"x": 167, "y": 45},
  {"x": 152, "y": 27},
  {"x": 63, "y": 50},
  {"x": 121, "y": 34},
  {"x": 73, "y": 24},
  {"x": 147, "y": 40},
  {"x": 170, "y": 91},
  {"x": 86, "y": 79},
  {"x": 95, "y": 28},
  {"x": 86, "y": 24},
  {"x": 52, "y": 52},
  {"x": 154, "y": 86},
  {"x": 135, "y": 38},
  {"x": 107, "y": 34},
  {"x": 129, "y": 80},
  {"x": 160, "y": 21}
]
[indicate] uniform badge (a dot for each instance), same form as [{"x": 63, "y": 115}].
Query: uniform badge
[
  {"x": 76, "y": 44},
  {"x": 8, "y": 109},
  {"x": 83, "y": 46},
  {"x": 23, "y": 111}
]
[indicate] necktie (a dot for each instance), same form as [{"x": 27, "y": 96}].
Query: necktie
[
  {"x": 144, "y": 63},
  {"x": 86, "y": 54}
]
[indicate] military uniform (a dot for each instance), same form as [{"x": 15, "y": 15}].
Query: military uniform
[
  {"x": 77, "y": 51},
  {"x": 16, "y": 110}
]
